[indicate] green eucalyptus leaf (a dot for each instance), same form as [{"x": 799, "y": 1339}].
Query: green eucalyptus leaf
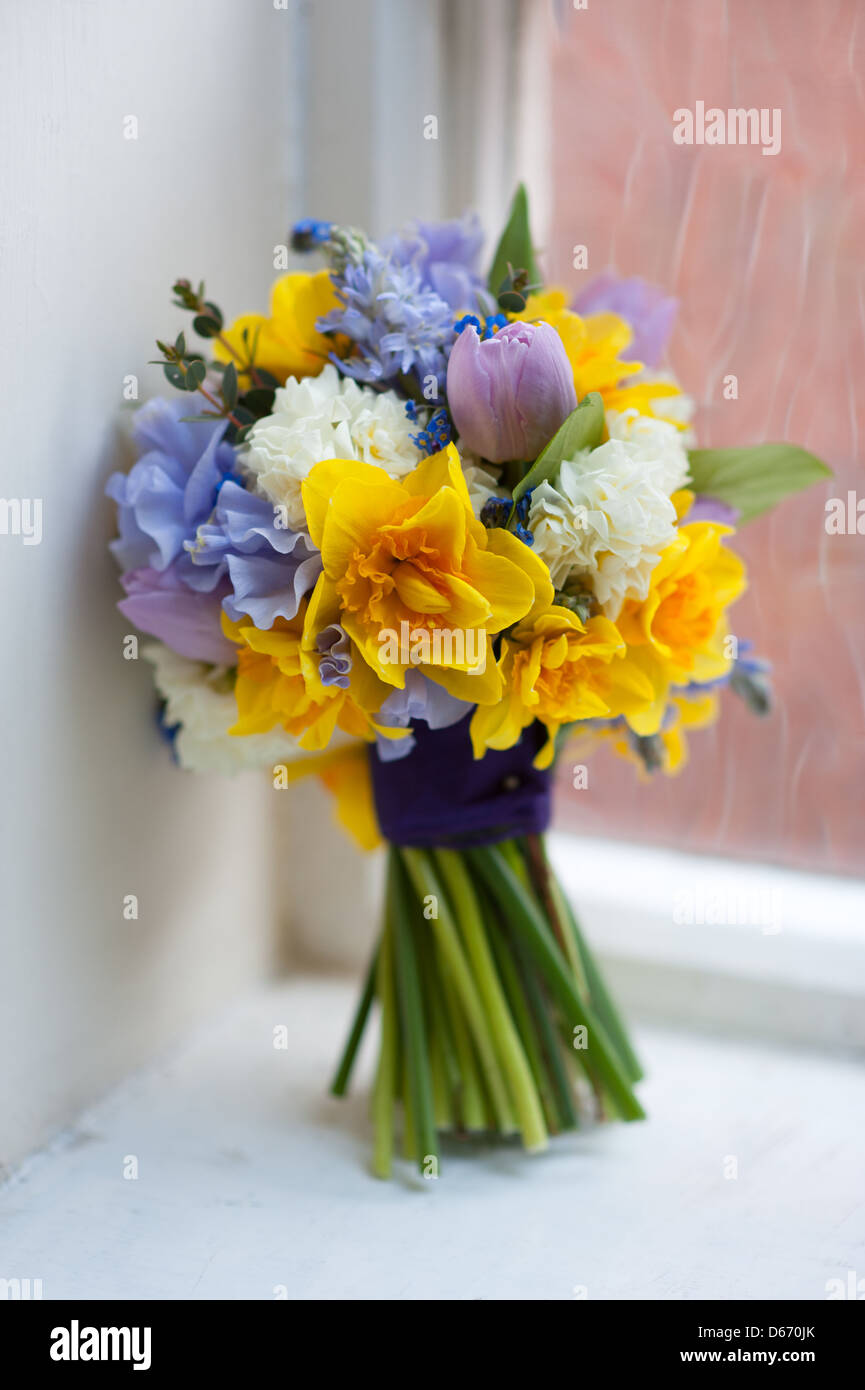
[
  {"x": 180, "y": 345},
  {"x": 205, "y": 326},
  {"x": 196, "y": 371},
  {"x": 242, "y": 421},
  {"x": 515, "y": 246},
  {"x": 510, "y": 302},
  {"x": 229, "y": 386},
  {"x": 213, "y": 311},
  {"x": 754, "y": 479},
  {"x": 175, "y": 376},
  {"x": 582, "y": 430}
]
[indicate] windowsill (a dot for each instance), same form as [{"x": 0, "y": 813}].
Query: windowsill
[
  {"x": 252, "y": 1179},
  {"x": 744, "y": 947}
]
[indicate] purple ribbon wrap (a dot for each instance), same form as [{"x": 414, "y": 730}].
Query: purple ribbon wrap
[{"x": 441, "y": 796}]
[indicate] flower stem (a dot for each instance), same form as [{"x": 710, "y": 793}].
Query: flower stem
[
  {"x": 426, "y": 884},
  {"x": 546, "y": 888},
  {"x": 505, "y": 1036},
  {"x": 472, "y": 1106},
  {"x": 412, "y": 1015},
  {"x": 552, "y": 1052},
  {"x": 514, "y": 989},
  {"x": 528, "y": 924},
  {"x": 339, "y": 1085},
  {"x": 602, "y": 1000},
  {"x": 443, "y": 1058},
  {"x": 387, "y": 1074}
]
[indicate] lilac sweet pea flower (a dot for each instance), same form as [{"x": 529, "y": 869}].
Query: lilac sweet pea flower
[
  {"x": 646, "y": 308},
  {"x": 420, "y": 699},
  {"x": 712, "y": 509},
  {"x": 510, "y": 393},
  {"x": 160, "y": 603},
  {"x": 334, "y": 646},
  {"x": 172, "y": 488},
  {"x": 270, "y": 567}
]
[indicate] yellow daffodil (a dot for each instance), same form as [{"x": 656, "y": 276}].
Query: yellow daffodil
[
  {"x": 408, "y": 558},
  {"x": 287, "y": 342},
  {"x": 679, "y": 632},
  {"x": 557, "y": 669},
  {"x": 594, "y": 346},
  {"x": 278, "y": 683},
  {"x": 683, "y": 500},
  {"x": 682, "y": 714},
  {"x": 350, "y": 782}
]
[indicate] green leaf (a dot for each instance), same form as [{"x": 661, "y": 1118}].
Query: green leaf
[
  {"x": 196, "y": 371},
  {"x": 213, "y": 311},
  {"x": 515, "y": 246},
  {"x": 582, "y": 430},
  {"x": 754, "y": 479},
  {"x": 339, "y": 1085},
  {"x": 229, "y": 386},
  {"x": 530, "y": 926},
  {"x": 259, "y": 401},
  {"x": 205, "y": 326}
]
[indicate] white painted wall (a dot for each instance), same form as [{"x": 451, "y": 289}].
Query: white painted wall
[
  {"x": 249, "y": 116},
  {"x": 94, "y": 229}
]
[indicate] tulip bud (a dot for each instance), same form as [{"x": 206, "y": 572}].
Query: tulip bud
[{"x": 510, "y": 393}]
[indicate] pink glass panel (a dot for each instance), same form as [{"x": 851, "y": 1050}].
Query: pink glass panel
[{"x": 767, "y": 255}]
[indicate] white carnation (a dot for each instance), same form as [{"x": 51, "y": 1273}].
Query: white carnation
[
  {"x": 609, "y": 514},
  {"x": 200, "y": 699},
  {"x": 482, "y": 484},
  {"x": 324, "y": 417}
]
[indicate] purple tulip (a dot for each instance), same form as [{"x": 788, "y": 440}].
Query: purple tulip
[{"x": 510, "y": 393}]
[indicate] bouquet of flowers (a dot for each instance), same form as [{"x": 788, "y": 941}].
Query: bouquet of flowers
[{"x": 409, "y": 532}]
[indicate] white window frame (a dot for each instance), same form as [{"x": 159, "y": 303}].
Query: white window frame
[
  {"x": 720, "y": 943},
  {"x": 482, "y": 69}
]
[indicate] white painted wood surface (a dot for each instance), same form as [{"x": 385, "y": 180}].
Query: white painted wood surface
[
  {"x": 749, "y": 948},
  {"x": 252, "y": 1183}
]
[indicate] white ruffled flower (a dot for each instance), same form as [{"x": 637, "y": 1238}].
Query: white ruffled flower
[
  {"x": 609, "y": 515},
  {"x": 201, "y": 700},
  {"x": 481, "y": 483},
  {"x": 324, "y": 417}
]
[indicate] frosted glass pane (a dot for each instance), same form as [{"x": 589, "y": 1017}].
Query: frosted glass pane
[{"x": 766, "y": 255}]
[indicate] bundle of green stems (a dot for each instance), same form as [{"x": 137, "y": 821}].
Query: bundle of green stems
[{"x": 494, "y": 1016}]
